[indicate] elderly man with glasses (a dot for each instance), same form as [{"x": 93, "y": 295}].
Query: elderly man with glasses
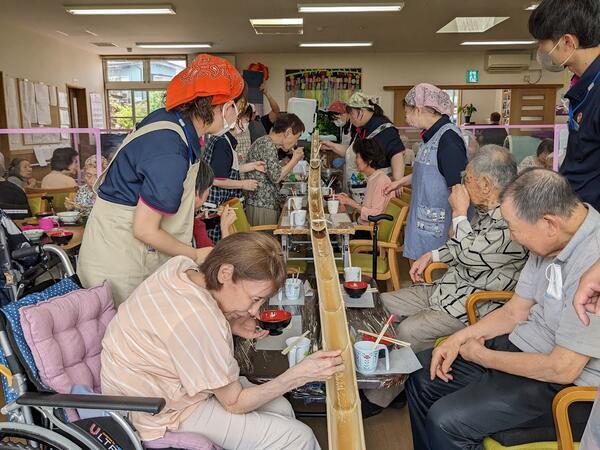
[{"x": 480, "y": 254}]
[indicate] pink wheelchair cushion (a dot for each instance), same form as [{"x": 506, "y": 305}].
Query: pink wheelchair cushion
[
  {"x": 65, "y": 336},
  {"x": 188, "y": 441}
]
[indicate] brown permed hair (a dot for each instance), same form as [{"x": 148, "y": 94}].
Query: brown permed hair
[{"x": 254, "y": 256}]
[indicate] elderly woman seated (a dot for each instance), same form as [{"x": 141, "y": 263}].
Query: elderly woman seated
[
  {"x": 173, "y": 338},
  {"x": 481, "y": 257},
  {"x": 370, "y": 158},
  {"x": 85, "y": 196},
  {"x": 64, "y": 167}
]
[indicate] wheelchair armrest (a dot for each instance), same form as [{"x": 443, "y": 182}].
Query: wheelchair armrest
[{"x": 109, "y": 402}]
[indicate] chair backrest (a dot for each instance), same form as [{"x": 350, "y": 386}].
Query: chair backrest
[
  {"x": 36, "y": 203},
  {"x": 241, "y": 223},
  {"x": 59, "y": 196},
  {"x": 391, "y": 231},
  {"x": 65, "y": 337}
]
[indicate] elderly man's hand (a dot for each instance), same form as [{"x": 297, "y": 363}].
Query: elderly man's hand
[
  {"x": 587, "y": 298},
  {"x": 472, "y": 350},
  {"x": 459, "y": 200}
]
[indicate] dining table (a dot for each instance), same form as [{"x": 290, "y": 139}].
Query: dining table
[
  {"x": 263, "y": 361},
  {"x": 340, "y": 227}
]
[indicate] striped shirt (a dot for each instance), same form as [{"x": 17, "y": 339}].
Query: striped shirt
[
  {"x": 482, "y": 257},
  {"x": 169, "y": 339}
]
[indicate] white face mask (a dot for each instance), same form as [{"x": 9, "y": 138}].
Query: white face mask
[
  {"x": 339, "y": 122},
  {"x": 226, "y": 126},
  {"x": 545, "y": 60}
]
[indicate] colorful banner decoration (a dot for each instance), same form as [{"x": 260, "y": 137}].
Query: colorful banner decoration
[{"x": 324, "y": 85}]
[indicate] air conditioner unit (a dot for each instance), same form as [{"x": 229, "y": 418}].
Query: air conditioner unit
[{"x": 507, "y": 62}]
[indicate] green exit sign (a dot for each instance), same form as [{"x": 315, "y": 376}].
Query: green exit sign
[{"x": 472, "y": 76}]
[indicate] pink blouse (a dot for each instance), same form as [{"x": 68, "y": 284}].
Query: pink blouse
[{"x": 375, "y": 200}]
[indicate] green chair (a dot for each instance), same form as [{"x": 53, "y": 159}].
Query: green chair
[
  {"x": 389, "y": 245},
  {"x": 242, "y": 224}
]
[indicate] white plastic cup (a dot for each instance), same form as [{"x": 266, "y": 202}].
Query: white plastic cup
[
  {"x": 326, "y": 191},
  {"x": 366, "y": 357},
  {"x": 353, "y": 274},
  {"x": 292, "y": 288},
  {"x": 298, "y": 218},
  {"x": 299, "y": 351},
  {"x": 333, "y": 206},
  {"x": 294, "y": 203}
]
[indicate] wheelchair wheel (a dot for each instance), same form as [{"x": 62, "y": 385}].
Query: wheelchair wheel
[{"x": 19, "y": 436}]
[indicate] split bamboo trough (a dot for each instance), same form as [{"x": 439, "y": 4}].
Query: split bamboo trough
[{"x": 344, "y": 419}]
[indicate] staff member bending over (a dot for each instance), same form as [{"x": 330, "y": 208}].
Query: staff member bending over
[{"x": 144, "y": 213}]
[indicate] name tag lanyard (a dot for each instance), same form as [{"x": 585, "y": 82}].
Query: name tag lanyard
[{"x": 572, "y": 110}]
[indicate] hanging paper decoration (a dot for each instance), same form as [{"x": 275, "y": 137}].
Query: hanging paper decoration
[{"x": 324, "y": 85}]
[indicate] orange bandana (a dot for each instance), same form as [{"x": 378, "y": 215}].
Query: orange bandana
[{"x": 206, "y": 76}]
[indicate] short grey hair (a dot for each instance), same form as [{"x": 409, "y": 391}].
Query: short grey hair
[
  {"x": 497, "y": 163},
  {"x": 537, "y": 192}
]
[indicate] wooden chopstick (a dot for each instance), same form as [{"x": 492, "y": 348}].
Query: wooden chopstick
[
  {"x": 286, "y": 350},
  {"x": 386, "y": 338}
]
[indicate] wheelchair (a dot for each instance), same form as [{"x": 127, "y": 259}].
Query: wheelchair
[{"x": 38, "y": 416}]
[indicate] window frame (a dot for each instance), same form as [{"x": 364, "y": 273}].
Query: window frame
[{"x": 145, "y": 85}]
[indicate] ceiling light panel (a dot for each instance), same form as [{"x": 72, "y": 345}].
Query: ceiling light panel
[
  {"x": 174, "y": 44},
  {"x": 278, "y": 26},
  {"x": 498, "y": 43},
  {"x": 350, "y": 7},
  {"x": 471, "y": 24},
  {"x": 335, "y": 44},
  {"x": 116, "y": 10}
]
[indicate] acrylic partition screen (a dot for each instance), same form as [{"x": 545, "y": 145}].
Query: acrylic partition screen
[
  {"x": 93, "y": 148},
  {"x": 531, "y": 145}
]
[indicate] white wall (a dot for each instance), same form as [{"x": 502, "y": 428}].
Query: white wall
[
  {"x": 386, "y": 69},
  {"x": 486, "y": 101},
  {"x": 25, "y": 54}
]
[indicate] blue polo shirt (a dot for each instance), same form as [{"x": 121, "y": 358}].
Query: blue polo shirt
[
  {"x": 582, "y": 161},
  {"x": 152, "y": 167},
  {"x": 389, "y": 139}
]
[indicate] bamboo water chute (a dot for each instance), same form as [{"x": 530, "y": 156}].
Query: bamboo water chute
[{"x": 344, "y": 418}]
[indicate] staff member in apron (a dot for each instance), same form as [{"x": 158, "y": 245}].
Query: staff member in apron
[
  {"x": 438, "y": 166},
  {"x": 144, "y": 212},
  {"x": 341, "y": 119},
  {"x": 371, "y": 123},
  {"x": 569, "y": 36},
  {"x": 220, "y": 153}
]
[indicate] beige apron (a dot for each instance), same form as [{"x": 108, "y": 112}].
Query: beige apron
[
  {"x": 350, "y": 166},
  {"x": 110, "y": 252}
]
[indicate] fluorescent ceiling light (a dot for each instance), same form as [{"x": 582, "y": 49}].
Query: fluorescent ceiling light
[
  {"x": 499, "y": 42},
  {"x": 336, "y": 44},
  {"x": 115, "y": 10},
  {"x": 277, "y": 22},
  {"x": 471, "y": 24},
  {"x": 532, "y": 7},
  {"x": 174, "y": 45},
  {"x": 62, "y": 33},
  {"x": 348, "y": 8}
]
